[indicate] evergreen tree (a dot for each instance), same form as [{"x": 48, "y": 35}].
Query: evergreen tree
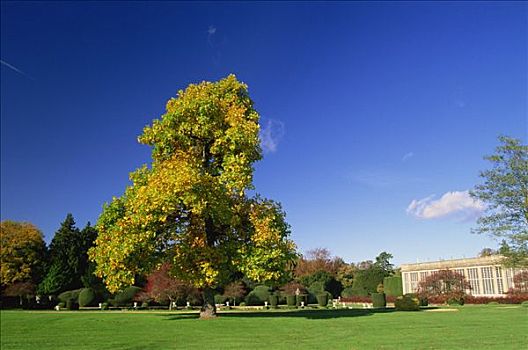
[{"x": 65, "y": 256}]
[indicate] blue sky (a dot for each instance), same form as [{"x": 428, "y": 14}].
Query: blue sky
[{"x": 368, "y": 109}]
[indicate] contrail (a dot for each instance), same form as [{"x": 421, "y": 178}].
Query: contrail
[{"x": 15, "y": 69}]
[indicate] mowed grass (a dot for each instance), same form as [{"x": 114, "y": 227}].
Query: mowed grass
[{"x": 471, "y": 327}]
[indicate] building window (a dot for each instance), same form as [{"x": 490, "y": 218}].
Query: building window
[
  {"x": 473, "y": 280},
  {"x": 487, "y": 280},
  {"x": 509, "y": 279},
  {"x": 407, "y": 283},
  {"x": 414, "y": 281},
  {"x": 498, "y": 276},
  {"x": 460, "y": 271},
  {"x": 423, "y": 275}
]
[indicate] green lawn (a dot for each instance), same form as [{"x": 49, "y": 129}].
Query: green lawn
[{"x": 471, "y": 327}]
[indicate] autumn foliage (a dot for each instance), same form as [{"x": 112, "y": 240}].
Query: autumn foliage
[
  {"x": 190, "y": 207},
  {"x": 22, "y": 253},
  {"x": 444, "y": 286}
]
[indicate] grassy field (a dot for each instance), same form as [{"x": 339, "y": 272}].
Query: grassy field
[{"x": 468, "y": 327}]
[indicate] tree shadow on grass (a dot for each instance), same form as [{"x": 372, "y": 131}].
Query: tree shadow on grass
[{"x": 303, "y": 313}]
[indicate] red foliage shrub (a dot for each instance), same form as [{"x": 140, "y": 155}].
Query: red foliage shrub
[
  {"x": 520, "y": 280},
  {"x": 507, "y": 299},
  {"x": 162, "y": 287},
  {"x": 443, "y": 286},
  {"x": 356, "y": 299}
]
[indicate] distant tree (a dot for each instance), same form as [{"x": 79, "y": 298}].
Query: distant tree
[
  {"x": 505, "y": 193},
  {"x": 487, "y": 252},
  {"x": 319, "y": 259},
  {"x": 22, "y": 253},
  {"x": 86, "y": 267},
  {"x": 291, "y": 288},
  {"x": 327, "y": 281},
  {"x": 445, "y": 286},
  {"x": 383, "y": 263},
  {"x": 366, "y": 281},
  {"x": 364, "y": 265},
  {"x": 66, "y": 259},
  {"x": 345, "y": 275},
  {"x": 235, "y": 291},
  {"x": 23, "y": 290}
]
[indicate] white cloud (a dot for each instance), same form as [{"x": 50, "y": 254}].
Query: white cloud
[
  {"x": 271, "y": 134},
  {"x": 451, "y": 203},
  {"x": 211, "y": 30},
  {"x": 407, "y": 156}
]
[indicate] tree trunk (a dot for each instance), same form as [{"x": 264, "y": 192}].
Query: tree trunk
[{"x": 208, "y": 309}]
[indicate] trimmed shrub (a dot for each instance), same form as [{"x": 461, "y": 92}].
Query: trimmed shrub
[
  {"x": 366, "y": 281},
  {"x": 69, "y": 294},
  {"x": 524, "y": 303},
  {"x": 274, "y": 300},
  {"x": 456, "y": 301},
  {"x": 220, "y": 299},
  {"x": 125, "y": 297},
  {"x": 407, "y": 303},
  {"x": 302, "y": 298},
  {"x": 104, "y": 306},
  {"x": 291, "y": 300},
  {"x": 258, "y": 296},
  {"x": 322, "y": 299},
  {"x": 86, "y": 297},
  {"x": 393, "y": 286},
  {"x": 62, "y": 304},
  {"x": 71, "y": 304},
  {"x": 347, "y": 292},
  {"x": 378, "y": 300}
]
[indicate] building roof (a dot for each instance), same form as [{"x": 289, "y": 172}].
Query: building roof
[{"x": 453, "y": 264}]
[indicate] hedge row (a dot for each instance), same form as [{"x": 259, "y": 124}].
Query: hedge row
[
  {"x": 393, "y": 286},
  {"x": 365, "y": 299}
]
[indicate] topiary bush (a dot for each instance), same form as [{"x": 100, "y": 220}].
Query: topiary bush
[
  {"x": 86, "y": 297},
  {"x": 220, "y": 299},
  {"x": 393, "y": 286},
  {"x": 302, "y": 298},
  {"x": 347, "y": 292},
  {"x": 258, "y": 296},
  {"x": 378, "y": 300},
  {"x": 407, "y": 303},
  {"x": 72, "y": 304},
  {"x": 291, "y": 300},
  {"x": 69, "y": 294},
  {"x": 322, "y": 299},
  {"x": 125, "y": 297},
  {"x": 456, "y": 301},
  {"x": 274, "y": 300}
]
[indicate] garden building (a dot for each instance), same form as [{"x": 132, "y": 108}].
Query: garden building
[{"x": 486, "y": 275}]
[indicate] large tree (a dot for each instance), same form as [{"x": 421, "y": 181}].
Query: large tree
[
  {"x": 22, "y": 253},
  {"x": 505, "y": 193},
  {"x": 190, "y": 207}
]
